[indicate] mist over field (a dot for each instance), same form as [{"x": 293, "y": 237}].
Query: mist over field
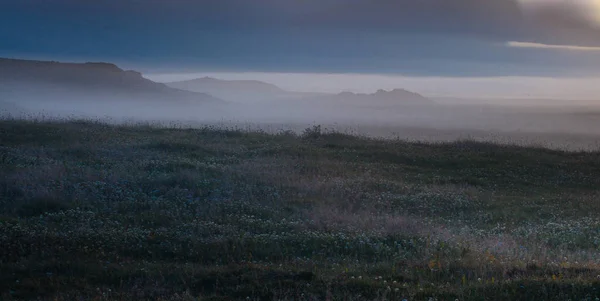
[
  {"x": 356, "y": 150},
  {"x": 104, "y": 91}
]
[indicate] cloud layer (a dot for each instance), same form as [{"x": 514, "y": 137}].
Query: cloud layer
[
  {"x": 424, "y": 37},
  {"x": 554, "y": 47}
]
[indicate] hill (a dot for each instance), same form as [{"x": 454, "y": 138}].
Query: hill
[
  {"x": 96, "y": 212},
  {"x": 209, "y": 83},
  {"x": 242, "y": 91},
  {"x": 381, "y": 98},
  {"x": 245, "y": 91},
  {"x": 27, "y": 80}
]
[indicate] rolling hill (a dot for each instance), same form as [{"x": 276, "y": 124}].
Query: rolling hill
[
  {"x": 381, "y": 98},
  {"x": 242, "y": 91},
  {"x": 247, "y": 91},
  {"x": 22, "y": 81}
]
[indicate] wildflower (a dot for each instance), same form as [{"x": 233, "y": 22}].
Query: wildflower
[{"x": 479, "y": 279}]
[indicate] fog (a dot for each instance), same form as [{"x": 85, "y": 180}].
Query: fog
[
  {"x": 570, "y": 127},
  {"x": 546, "y": 90},
  {"x": 275, "y": 102}
]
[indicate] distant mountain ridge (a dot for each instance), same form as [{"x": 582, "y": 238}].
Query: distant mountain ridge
[
  {"x": 243, "y": 91},
  {"x": 20, "y": 78},
  {"x": 210, "y": 83},
  {"x": 400, "y": 96},
  {"x": 256, "y": 91},
  {"x": 381, "y": 98}
]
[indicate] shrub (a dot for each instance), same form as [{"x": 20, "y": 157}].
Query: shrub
[{"x": 313, "y": 132}]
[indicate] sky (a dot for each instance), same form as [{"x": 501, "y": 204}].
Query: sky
[{"x": 415, "y": 38}]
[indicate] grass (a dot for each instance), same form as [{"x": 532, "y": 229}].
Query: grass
[{"x": 90, "y": 211}]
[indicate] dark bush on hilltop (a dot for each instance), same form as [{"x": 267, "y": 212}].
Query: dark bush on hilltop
[{"x": 313, "y": 132}]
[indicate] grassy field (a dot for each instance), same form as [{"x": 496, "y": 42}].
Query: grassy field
[{"x": 96, "y": 212}]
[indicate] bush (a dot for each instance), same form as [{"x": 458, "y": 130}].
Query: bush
[{"x": 313, "y": 132}]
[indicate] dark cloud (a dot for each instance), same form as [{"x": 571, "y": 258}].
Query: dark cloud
[
  {"x": 449, "y": 37},
  {"x": 495, "y": 19}
]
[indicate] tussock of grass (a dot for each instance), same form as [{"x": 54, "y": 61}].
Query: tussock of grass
[{"x": 93, "y": 211}]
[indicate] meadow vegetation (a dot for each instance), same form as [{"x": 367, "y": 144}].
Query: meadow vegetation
[{"x": 90, "y": 211}]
